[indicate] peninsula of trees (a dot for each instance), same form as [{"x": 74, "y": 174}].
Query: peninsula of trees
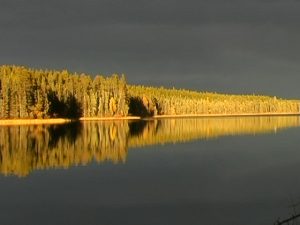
[{"x": 36, "y": 94}]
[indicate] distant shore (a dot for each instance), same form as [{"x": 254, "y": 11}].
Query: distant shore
[
  {"x": 225, "y": 115},
  {"x": 10, "y": 122},
  {"x": 110, "y": 118}
]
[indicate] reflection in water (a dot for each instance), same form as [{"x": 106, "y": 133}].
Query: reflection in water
[
  {"x": 184, "y": 130},
  {"x": 70, "y": 131},
  {"x": 27, "y": 148}
]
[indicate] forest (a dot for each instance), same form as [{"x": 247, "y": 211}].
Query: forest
[
  {"x": 27, "y": 93},
  {"x": 152, "y": 101},
  {"x": 30, "y": 94}
]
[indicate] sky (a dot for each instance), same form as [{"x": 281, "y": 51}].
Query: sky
[{"x": 222, "y": 46}]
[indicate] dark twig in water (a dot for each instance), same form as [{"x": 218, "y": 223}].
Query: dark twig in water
[{"x": 293, "y": 217}]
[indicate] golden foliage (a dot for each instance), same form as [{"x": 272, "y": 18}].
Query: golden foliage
[
  {"x": 27, "y": 93},
  {"x": 162, "y": 101}
]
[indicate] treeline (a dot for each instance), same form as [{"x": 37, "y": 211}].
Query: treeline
[
  {"x": 27, "y": 93},
  {"x": 27, "y": 148},
  {"x": 151, "y": 101}
]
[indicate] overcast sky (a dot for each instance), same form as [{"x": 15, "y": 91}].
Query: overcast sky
[{"x": 242, "y": 46}]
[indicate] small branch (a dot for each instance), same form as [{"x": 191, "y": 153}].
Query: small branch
[{"x": 293, "y": 217}]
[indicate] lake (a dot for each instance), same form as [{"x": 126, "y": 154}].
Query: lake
[{"x": 231, "y": 170}]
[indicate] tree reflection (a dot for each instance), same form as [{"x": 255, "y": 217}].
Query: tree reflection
[
  {"x": 27, "y": 148},
  {"x": 70, "y": 131}
]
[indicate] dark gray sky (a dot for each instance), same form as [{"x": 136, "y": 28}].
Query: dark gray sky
[{"x": 215, "y": 45}]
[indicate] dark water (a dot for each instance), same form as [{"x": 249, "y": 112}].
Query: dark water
[{"x": 173, "y": 171}]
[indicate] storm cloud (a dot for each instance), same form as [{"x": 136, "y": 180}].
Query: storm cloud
[{"x": 223, "y": 46}]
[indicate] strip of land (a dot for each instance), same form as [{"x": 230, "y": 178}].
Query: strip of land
[
  {"x": 10, "y": 122},
  {"x": 226, "y": 115},
  {"x": 110, "y": 118}
]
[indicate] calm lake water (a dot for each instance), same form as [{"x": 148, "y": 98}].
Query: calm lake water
[{"x": 242, "y": 170}]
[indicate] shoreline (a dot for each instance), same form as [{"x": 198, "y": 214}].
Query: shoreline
[
  {"x": 16, "y": 122},
  {"x": 224, "y": 115},
  {"x": 11, "y": 122},
  {"x": 109, "y": 118}
]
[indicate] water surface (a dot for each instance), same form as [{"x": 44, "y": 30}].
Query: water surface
[{"x": 239, "y": 170}]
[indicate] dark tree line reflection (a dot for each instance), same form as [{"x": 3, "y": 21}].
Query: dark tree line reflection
[{"x": 27, "y": 148}]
